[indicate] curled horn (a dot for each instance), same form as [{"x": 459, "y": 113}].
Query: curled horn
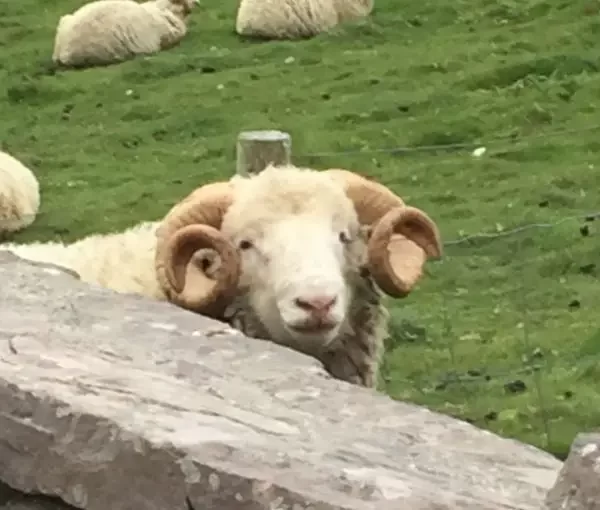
[
  {"x": 402, "y": 237},
  {"x": 191, "y": 225}
]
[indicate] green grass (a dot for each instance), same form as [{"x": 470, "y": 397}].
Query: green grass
[{"x": 523, "y": 74}]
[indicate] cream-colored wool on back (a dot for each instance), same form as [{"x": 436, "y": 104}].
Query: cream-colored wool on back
[
  {"x": 19, "y": 194},
  {"x": 120, "y": 261},
  {"x": 110, "y": 31},
  {"x": 295, "y": 19}
]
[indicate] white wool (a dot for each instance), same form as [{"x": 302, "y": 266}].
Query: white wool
[
  {"x": 293, "y": 19},
  {"x": 109, "y": 31},
  {"x": 19, "y": 194},
  {"x": 122, "y": 261}
]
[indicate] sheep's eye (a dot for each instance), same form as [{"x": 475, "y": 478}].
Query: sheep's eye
[
  {"x": 245, "y": 245},
  {"x": 344, "y": 238}
]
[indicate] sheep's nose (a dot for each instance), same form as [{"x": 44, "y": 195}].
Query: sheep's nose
[{"x": 316, "y": 305}]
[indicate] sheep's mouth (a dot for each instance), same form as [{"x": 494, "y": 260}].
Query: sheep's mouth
[{"x": 313, "y": 328}]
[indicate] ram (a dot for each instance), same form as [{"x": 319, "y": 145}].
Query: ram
[
  {"x": 304, "y": 258},
  {"x": 106, "y": 32},
  {"x": 296, "y": 256}
]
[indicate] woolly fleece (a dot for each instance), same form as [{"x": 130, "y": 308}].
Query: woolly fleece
[
  {"x": 110, "y": 31},
  {"x": 295, "y": 19},
  {"x": 19, "y": 194}
]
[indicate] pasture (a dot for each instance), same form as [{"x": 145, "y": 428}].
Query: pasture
[{"x": 504, "y": 331}]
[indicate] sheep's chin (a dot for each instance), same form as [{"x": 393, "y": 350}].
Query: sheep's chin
[{"x": 313, "y": 337}]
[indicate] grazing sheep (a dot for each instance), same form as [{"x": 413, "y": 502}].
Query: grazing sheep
[
  {"x": 295, "y": 256},
  {"x": 111, "y": 31},
  {"x": 19, "y": 195},
  {"x": 302, "y": 258},
  {"x": 295, "y": 19}
]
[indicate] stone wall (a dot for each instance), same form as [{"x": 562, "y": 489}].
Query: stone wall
[{"x": 113, "y": 402}]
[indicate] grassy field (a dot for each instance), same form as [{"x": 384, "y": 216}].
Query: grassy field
[{"x": 503, "y": 332}]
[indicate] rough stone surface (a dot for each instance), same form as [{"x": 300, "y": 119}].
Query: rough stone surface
[
  {"x": 115, "y": 402},
  {"x": 578, "y": 484},
  {"x": 11, "y": 499}
]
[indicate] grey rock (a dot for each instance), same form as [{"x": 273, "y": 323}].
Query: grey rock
[
  {"x": 117, "y": 402},
  {"x": 11, "y": 499},
  {"x": 578, "y": 483}
]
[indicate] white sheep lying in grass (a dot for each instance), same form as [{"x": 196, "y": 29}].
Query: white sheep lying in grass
[
  {"x": 294, "y": 19},
  {"x": 111, "y": 31},
  {"x": 19, "y": 194},
  {"x": 302, "y": 255}
]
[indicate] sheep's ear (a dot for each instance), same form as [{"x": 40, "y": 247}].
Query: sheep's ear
[{"x": 408, "y": 260}]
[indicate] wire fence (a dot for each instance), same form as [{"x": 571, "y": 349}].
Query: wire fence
[
  {"x": 541, "y": 359},
  {"x": 495, "y": 235},
  {"x": 535, "y": 388},
  {"x": 492, "y": 142}
]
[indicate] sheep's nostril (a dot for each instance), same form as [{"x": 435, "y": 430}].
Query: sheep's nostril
[{"x": 316, "y": 304}]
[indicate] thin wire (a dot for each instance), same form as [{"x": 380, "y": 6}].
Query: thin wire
[
  {"x": 484, "y": 235},
  {"x": 581, "y": 362},
  {"x": 440, "y": 147}
]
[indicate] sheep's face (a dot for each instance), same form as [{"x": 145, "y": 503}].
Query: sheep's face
[
  {"x": 300, "y": 246},
  {"x": 181, "y": 8}
]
